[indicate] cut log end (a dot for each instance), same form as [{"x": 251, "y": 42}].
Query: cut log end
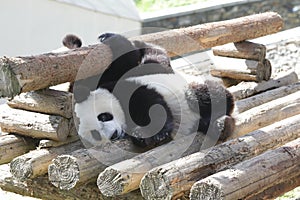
[
  {"x": 155, "y": 186},
  {"x": 64, "y": 172},
  {"x": 206, "y": 190},
  {"x": 110, "y": 182},
  {"x": 20, "y": 168},
  {"x": 9, "y": 84}
]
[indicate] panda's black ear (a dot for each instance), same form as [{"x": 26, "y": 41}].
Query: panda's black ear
[{"x": 81, "y": 93}]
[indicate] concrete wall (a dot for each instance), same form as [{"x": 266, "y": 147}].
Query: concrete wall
[
  {"x": 37, "y": 26},
  {"x": 216, "y": 11}
]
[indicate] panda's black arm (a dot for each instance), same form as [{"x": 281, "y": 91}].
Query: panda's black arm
[{"x": 215, "y": 105}]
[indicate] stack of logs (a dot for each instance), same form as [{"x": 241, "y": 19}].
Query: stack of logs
[
  {"x": 245, "y": 61},
  {"x": 47, "y": 160}
]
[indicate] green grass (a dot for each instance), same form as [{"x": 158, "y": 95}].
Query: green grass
[{"x": 154, "y": 5}]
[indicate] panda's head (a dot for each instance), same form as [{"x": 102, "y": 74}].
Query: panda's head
[{"x": 100, "y": 117}]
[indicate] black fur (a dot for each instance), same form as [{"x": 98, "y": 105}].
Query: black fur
[
  {"x": 136, "y": 101},
  {"x": 215, "y": 105},
  {"x": 72, "y": 41}
]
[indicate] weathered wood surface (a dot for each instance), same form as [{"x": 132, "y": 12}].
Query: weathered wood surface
[
  {"x": 251, "y": 177},
  {"x": 33, "y": 124},
  {"x": 35, "y": 163},
  {"x": 259, "y": 99},
  {"x": 278, "y": 189},
  {"x": 84, "y": 165},
  {"x": 23, "y": 74},
  {"x": 247, "y": 89},
  {"x": 40, "y": 187},
  {"x": 46, "y": 101},
  {"x": 267, "y": 114},
  {"x": 244, "y": 49},
  {"x": 52, "y": 143},
  {"x": 131, "y": 171},
  {"x": 174, "y": 179},
  {"x": 12, "y": 146},
  {"x": 240, "y": 69}
]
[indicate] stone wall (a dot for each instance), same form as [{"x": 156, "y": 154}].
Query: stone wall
[{"x": 288, "y": 9}]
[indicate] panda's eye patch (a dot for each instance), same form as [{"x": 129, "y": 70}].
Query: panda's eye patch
[{"x": 104, "y": 117}]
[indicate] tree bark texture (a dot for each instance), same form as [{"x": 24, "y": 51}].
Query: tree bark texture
[
  {"x": 46, "y": 101},
  {"x": 12, "y": 146},
  {"x": 34, "y": 124},
  {"x": 174, "y": 179},
  {"x": 247, "y": 89},
  {"x": 23, "y": 74},
  {"x": 251, "y": 177}
]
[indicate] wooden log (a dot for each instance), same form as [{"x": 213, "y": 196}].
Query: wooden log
[
  {"x": 40, "y": 187},
  {"x": 130, "y": 172},
  {"x": 259, "y": 99},
  {"x": 35, "y": 163},
  {"x": 278, "y": 189},
  {"x": 252, "y": 176},
  {"x": 52, "y": 143},
  {"x": 33, "y": 124},
  {"x": 46, "y": 101},
  {"x": 174, "y": 179},
  {"x": 12, "y": 146},
  {"x": 83, "y": 165},
  {"x": 23, "y": 74},
  {"x": 240, "y": 69},
  {"x": 267, "y": 114},
  {"x": 247, "y": 89},
  {"x": 244, "y": 49}
]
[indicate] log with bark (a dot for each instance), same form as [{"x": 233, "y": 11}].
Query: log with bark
[
  {"x": 84, "y": 165},
  {"x": 46, "y": 101},
  {"x": 244, "y": 49},
  {"x": 266, "y": 114},
  {"x": 247, "y": 89},
  {"x": 130, "y": 172},
  {"x": 174, "y": 179},
  {"x": 23, "y": 74},
  {"x": 251, "y": 177},
  {"x": 278, "y": 189},
  {"x": 241, "y": 69},
  {"x": 259, "y": 99},
  {"x": 45, "y": 143},
  {"x": 12, "y": 146},
  {"x": 35, "y": 163},
  {"x": 40, "y": 187},
  {"x": 33, "y": 124}
]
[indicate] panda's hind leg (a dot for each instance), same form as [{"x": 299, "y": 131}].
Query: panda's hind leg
[{"x": 214, "y": 104}]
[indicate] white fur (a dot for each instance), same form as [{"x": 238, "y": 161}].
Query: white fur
[
  {"x": 172, "y": 87},
  {"x": 99, "y": 101}
]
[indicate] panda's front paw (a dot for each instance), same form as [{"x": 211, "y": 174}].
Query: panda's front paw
[
  {"x": 224, "y": 126},
  {"x": 144, "y": 138}
]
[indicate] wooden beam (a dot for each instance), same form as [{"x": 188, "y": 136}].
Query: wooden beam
[
  {"x": 23, "y": 74},
  {"x": 131, "y": 171},
  {"x": 174, "y": 179},
  {"x": 259, "y": 99},
  {"x": 244, "y": 50},
  {"x": 251, "y": 177},
  {"x": 12, "y": 146},
  {"x": 35, "y": 163},
  {"x": 33, "y": 124},
  {"x": 46, "y": 101},
  {"x": 247, "y": 89},
  {"x": 267, "y": 114},
  {"x": 40, "y": 187},
  {"x": 84, "y": 165},
  {"x": 240, "y": 69}
]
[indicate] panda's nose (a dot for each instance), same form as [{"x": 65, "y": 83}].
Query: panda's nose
[{"x": 115, "y": 135}]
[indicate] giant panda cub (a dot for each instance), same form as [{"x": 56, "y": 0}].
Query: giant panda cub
[{"x": 153, "y": 107}]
